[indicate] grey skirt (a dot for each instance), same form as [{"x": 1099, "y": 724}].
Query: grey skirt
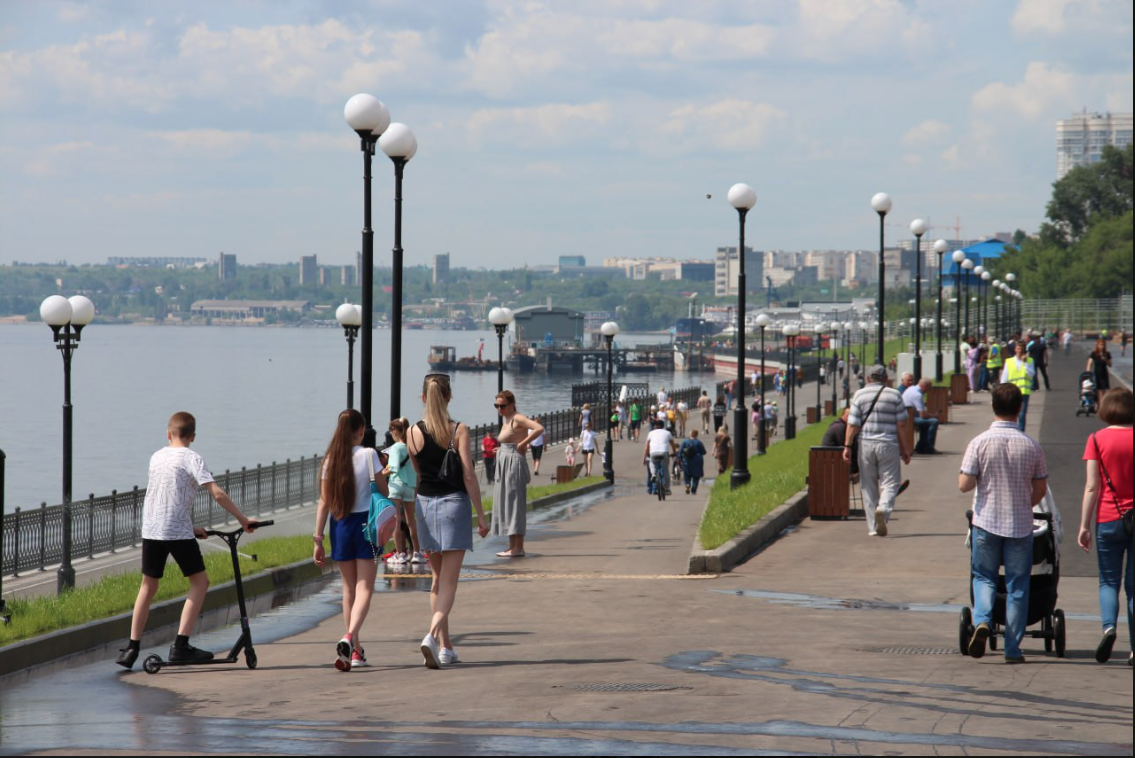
[
  {"x": 444, "y": 523},
  {"x": 510, "y": 493}
]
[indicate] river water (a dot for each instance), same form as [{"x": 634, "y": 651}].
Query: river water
[{"x": 259, "y": 394}]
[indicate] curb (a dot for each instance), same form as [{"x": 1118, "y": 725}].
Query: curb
[
  {"x": 94, "y": 634},
  {"x": 736, "y": 550},
  {"x": 561, "y": 497}
]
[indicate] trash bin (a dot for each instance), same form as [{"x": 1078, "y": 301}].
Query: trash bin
[{"x": 829, "y": 483}]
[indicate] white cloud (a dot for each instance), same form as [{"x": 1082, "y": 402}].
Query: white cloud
[
  {"x": 1035, "y": 95},
  {"x": 1101, "y": 22},
  {"x": 926, "y": 133},
  {"x": 1040, "y": 16},
  {"x": 724, "y": 125},
  {"x": 539, "y": 126}
]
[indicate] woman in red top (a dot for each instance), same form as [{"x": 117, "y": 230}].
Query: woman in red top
[
  {"x": 1107, "y": 497},
  {"x": 489, "y": 447}
]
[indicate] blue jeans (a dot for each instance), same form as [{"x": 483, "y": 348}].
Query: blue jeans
[
  {"x": 658, "y": 462},
  {"x": 692, "y": 483},
  {"x": 1112, "y": 543},
  {"x": 990, "y": 551},
  {"x": 1021, "y": 419},
  {"x": 927, "y": 434}
]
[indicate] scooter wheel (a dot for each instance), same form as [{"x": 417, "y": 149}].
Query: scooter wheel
[
  {"x": 250, "y": 660},
  {"x": 152, "y": 664}
]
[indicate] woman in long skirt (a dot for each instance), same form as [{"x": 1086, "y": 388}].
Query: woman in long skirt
[{"x": 510, "y": 493}]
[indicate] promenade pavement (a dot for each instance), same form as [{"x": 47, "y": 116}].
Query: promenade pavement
[{"x": 826, "y": 642}]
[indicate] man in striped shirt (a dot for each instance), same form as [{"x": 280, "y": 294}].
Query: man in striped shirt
[
  {"x": 1008, "y": 470},
  {"x": 879, "y": 418}
]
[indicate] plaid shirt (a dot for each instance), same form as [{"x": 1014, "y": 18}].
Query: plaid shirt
[{"x": 1006, "y": 462}]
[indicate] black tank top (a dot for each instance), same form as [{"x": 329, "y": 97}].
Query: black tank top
[{"x": 429, "y": 464}]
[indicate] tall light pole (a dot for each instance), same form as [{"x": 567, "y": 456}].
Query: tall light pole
[
  {"x": 743, "y": 198},
  {"x": 66, "y": 317},
  {"x": 500, "y": 318},
  {"x": 818, "y": 330},
  {"x": 918, "y": 228},
  {"x": 400, "y": 145},
  {"x": 940, "y": 248},
  {"x": 959, "y": 258},
  {"x": 836, "y": 378},
  {"x": 986, "y": 277},
  {"x": 609, "y": 330},
  {"x": 763, "y": 321},
  {"x": 881, "y": 203},
  {"x": 978, "y": 271},
  {"x": 369, "y": 118},
  {"x": 967, "y": 267},
  {"x": 350, "y": 317},
  {"x": 1011, "y": 280},
  {"x": 790, "y": 332}
]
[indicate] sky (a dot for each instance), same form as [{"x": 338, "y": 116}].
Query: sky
[{"x": 591, "y": 127}]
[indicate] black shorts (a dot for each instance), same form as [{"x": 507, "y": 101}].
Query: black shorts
[
  {"x": 186, "y": 552},
  {"x": 537, "y": 451}
]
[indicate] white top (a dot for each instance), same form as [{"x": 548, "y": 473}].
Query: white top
[
  {"x": 912, "y": 398},
  {"x": 362, "y": 476},
  {"x": 662, "y": 397},
  {"x": 587, "y": 441},
  {"x": 682, "y": 407},
  {"x": 538, "y": 442},
  {"x": 659, "y": 441},
  {"x": 175, "y": 475},
  {"x": 663, "y": 416},
  {"x": 1067, "y": 338}
]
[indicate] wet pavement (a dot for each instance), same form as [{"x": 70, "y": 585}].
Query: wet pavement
[{"x": 827, "y": 642}]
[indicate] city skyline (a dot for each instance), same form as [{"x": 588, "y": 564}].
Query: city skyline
[{"x": 545, "y": 130}]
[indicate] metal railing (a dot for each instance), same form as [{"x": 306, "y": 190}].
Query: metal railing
[
  {"x": 1086, "y": 317},
  {"x": 34, "y": 539},
  {"x": 596, "y": 392}
]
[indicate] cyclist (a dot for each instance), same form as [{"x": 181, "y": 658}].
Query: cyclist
[{"x": 656, "y": 454}]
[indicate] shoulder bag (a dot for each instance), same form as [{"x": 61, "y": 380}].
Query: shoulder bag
[
  {"x": 451, "y": 471},
  {"x": 380, "y": 523},
  {"x": 1125, "y": 515}
]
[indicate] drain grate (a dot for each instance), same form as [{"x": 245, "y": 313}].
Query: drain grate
[
  {"x": 914, "y": 650},
  {"x": 627, "y": 687}
]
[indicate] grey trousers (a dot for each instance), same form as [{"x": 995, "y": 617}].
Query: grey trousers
[{"x": 880, "y": 473}]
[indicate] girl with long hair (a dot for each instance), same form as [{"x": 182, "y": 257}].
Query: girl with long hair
[
  {"x": 344, "y": 493},
  {"x": 402, "y": 482},
  {"x": 510, "y": 493},
  {"x": 443, "y": 510}
]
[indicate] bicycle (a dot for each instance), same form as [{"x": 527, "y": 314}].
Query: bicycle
[{"x": 658, "y": 477}]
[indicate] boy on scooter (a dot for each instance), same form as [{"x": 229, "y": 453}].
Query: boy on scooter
[{"x": 176, "y": 473}]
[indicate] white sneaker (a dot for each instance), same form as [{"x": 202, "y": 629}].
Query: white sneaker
[
  {"x": 343, "y": 652},
  {"x": 448, "y": 656},
  {"x": 418, "y": 558},
  {"x": 430, "y": 652},
  {"x": 397, "y": 559}
]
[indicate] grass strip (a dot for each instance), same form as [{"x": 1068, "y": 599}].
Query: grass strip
[
  {"x": 544, "y": 490},
  {"x": 776, "y": 476},
  {"x": 115, "y": 593}
]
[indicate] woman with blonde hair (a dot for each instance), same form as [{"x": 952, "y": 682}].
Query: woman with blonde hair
[
  {"x": 402, "y": 481},
  {"x": 344, "y": 492},
  {"x": 510, "y": 493},
  {"x": 446, "y": 490}
]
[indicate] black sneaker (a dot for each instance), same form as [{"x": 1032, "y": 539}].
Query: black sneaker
[
  {"x": 978, "y": 640},
  {"x": 1103, "y": 650},
  {"x": 188, "y": 654},
  {"x": 126, "y": 657}
]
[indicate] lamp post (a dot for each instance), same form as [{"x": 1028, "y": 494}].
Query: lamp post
[
  {"x": 918, "y": 228},
  {"x": 66, "y": 317},
  {"x": 940, "y": 248},
  {"x": 350, "y": 317},
  {"x": 996, "y": 292},
  {"x": 967, "y": 267},
  {"x": 1011, "y": 280},
  {"x": 790, "y": 332},
  {"x": 743, "y": 198},
  {"x": 399, "y": 144},
  {"x": 609, "y": 330},
  {"x": 818, "y": 329},
  {"x": 500, "y": 318},
  {"x": 978, "y": 271},
  {"x": 763, "y": 321},
  {"x": 986, "y": 277},
  {"x": 998, "y": 323},
  {"x": 881, "y": 203},
  {"x": 368, "y": 117}
]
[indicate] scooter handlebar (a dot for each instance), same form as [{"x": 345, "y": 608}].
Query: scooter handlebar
[{"x": 238, "y": 530}]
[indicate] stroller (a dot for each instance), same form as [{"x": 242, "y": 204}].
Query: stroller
[
  {"x": 1089, "y": 397},
  {"x": 1048, "y": 532}
]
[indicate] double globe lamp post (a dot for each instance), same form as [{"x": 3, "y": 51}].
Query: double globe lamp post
[
  {"x": 763, "y": 320},
  {"x": 743, "y": 198},
  {"x": 918, "y": 228},
  {"x": 370, "y": 119},
  {"x": 818, "y": 329},
  {"x": 940, "y": 248},
  {"x": 66, "y": 317},
  {"x": 609, "y": 329},
  {"x": 500, "y": 318}
]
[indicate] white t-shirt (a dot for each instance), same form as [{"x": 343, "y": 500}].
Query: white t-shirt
[
  {"x": 362, "y": 476},
  {"x": 912, "y": 398},
  {"x": 659, "y": 441},
  {"x": 662, "y": 397},
  {"x": 175, "y": 475},
  {"x": 587, "y": 441}
]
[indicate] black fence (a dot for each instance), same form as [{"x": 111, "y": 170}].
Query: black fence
[
  {"x": 595, "y": 393},
  {"x": 34, "y": 539}
]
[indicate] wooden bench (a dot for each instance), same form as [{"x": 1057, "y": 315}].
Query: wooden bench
[
  {"x": 959, "y": 389},
  {"x": 910, "y": 432},
  {"x": 829, "y": 483},
  {"x": 565, "y": 473},
  {"x": 938, "y": 404}
]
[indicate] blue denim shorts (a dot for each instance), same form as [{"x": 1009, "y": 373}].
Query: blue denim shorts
[
  {"x": 347, "y": 540},
  {"x": 444, "y": 523}
]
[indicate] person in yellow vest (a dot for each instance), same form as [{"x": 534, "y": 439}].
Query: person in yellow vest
[
  {"x": 1021, "y": 371},
  {"x": 994, "y": 364}
]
